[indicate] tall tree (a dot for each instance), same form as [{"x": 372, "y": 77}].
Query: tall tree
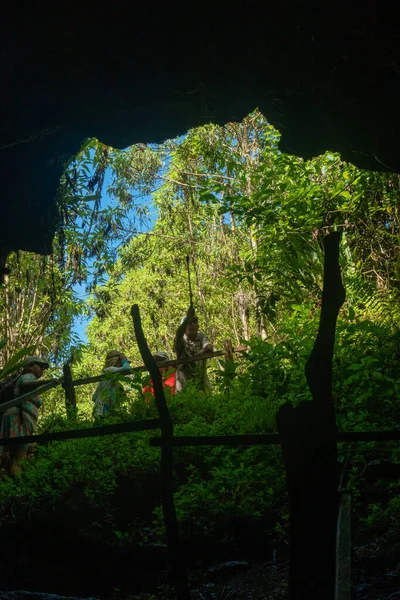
[{"x": 252, "y": 221}]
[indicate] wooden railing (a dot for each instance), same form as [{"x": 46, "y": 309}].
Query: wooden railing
[
  {"x": 343, "y": 570},
  {"x": 69, "y": 384}
]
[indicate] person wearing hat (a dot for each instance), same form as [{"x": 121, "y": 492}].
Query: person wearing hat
[
  {"x": 189, "y": 342},
  {"x": 21, "y": 420},
  {"x": 167, "y": 381},
  {"x": 108, "y": 393}
]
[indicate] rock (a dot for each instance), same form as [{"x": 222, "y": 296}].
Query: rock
[
  {"x": 229, "y": 565},
  {"x": 325, "y": 74}
]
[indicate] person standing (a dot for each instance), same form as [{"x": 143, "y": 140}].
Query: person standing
[
  {"x": 190, "y": 342},
  {"x": 21, "y": 420},
  {"x": 108, "y": 392},
  {"x": 167, "y": 382}
]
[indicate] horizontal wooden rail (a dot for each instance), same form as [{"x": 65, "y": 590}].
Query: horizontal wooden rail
[
  {"x": 369, "y": 436},
  {"x": 88, "y": 432},
  {"x": 203, "y": 440},
  {"x": 164, "y": 364},
  {"x": 220, "y": 440},
  {"x": 50, "y": 384},
  {"x": 273, "y": 438}
]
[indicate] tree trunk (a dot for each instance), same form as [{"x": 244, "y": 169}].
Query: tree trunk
[{"x": 243, "y": 313}]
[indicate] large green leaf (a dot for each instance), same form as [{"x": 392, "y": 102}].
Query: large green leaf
[{"x": 16, "y": 361}]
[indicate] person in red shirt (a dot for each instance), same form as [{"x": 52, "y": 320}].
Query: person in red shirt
[{"x": 168, "y": 381}]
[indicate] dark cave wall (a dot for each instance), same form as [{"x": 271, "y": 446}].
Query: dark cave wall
[{"x": 325, "y": 74}]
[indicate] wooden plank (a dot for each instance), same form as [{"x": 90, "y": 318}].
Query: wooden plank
[
  {"x": 166, "y": 363},
  {"x": 392, "y": 435},
  {"x": 219, "y": 440},
  {"x": 50, "y": 384},
  {"x": 88, "y": 432},
  {"x": 343, "y": 549},
  {"x": 179, "y": 441},
  {"x": 37, "y": 392},
  {"x": 258, "y": 439}
]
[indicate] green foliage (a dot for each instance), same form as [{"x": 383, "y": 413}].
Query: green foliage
[
  {"x": 15, "y": 361},
  {"x": 37, "y": 306},
  {"x": 90, "y": 231},
  {"x": 252, "y": 220},
  {"x": 212, "y": 485}
]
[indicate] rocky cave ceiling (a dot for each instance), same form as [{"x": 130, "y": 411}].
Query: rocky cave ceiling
[{"x": 326, "y": 74}]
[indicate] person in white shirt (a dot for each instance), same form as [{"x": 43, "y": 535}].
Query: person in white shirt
[
  {"x": 108, "y": 393},
  {"x": 189, "y": 341}
]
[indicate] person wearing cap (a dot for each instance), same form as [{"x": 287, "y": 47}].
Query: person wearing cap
[
  {"x": 21, "y": 420},
  {"x": 108, "y": 393},
  {"x": 168, "y": 381},
  {"x": 190, "y": 342}
]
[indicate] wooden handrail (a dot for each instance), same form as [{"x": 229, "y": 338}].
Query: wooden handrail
[
  {"x": 164, "y": 364},
  {"x": 87, "y": 432},
  {"x": 259, "y": 439},
  {"x": 252, "y": 439},
  {"x": 50, "y": 384}
]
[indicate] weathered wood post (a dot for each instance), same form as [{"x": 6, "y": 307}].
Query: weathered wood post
[
  {"x": 308, "y": 438},
  {"x": 343, "y": 548},
  {"x": 178, "y": 571},
  {"x": 70, "y": 395}
]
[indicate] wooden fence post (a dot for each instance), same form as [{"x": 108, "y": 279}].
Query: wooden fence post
[
  {"x": 177, "y": 571},
  {"x": 68, "y": 385},
  {"x": 308, "y": 436},
  {"x": 343, "y": 548}
]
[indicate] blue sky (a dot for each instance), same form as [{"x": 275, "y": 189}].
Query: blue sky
[{"x": 80, "y": 323}]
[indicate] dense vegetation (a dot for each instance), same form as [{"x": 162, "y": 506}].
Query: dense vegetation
[{"x": 252, "y": 221}]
